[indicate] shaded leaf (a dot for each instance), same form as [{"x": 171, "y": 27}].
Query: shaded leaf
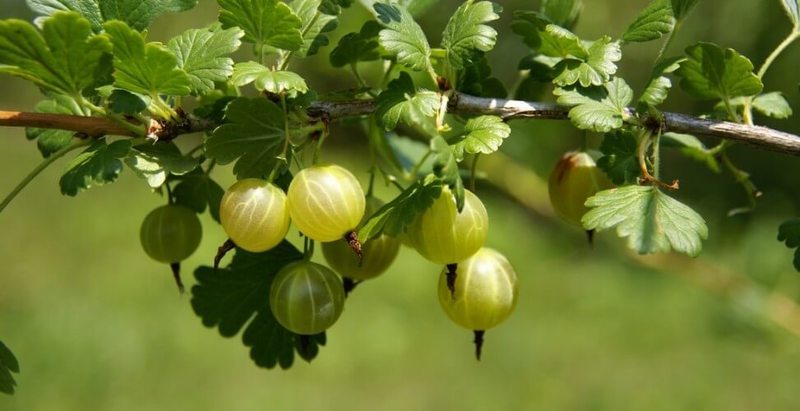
[
  {"x": 620, "y": 161},
  {"x": 237, "y": 298},
  {"x": 314, "y": 27},
  {"x": 357, "y": 47},
  {"x": 197, "y": 190},
  {"x": 651, "y": 220},
  {"x": 789, "y": 233},
  {"x": 394, "y": 217},
  {"x": 99, "y": 164},
  {"x": 773, "y": 105},
  {"x": 445, "y": 166},
  {"x": 253, "y": 137},
  {"x": 658, "y": 88},
  {"x": 49, "y": 140},
  {"x": 402, "y": 102},
  {"x": 681, "y": 8},
  {"x": 563, "y": 13},
  {"x": 155, "y": 162},
  {"x": 124, "y": 102},
  {"x": 8, "y": 365}
]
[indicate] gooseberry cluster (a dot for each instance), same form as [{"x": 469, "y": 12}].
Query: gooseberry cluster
[{"x": 478, "y": 286}]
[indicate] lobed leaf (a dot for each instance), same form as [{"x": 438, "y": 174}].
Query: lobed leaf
[
  {"x": 357, "y": 47},
  {"x": 266, "y": 23},
  {"x": 155, "y": 162},
  {"x": 651, "y": 220},
  {"x": 276, "y": 82},
  {"x": 401, "y": 102},
  {"x": 202, "y": 54},
  {"x": 482, "y": 135},
  {"x": 49, "y": 140},
  {"x": 136, "y": 13},
  {"x": 563, "y": 13},
  {"x": 237, "y": 297},
  {"x": 197, "y": 190},
  {"x": 394, "y": 217},
  {"x": 773, "y": 105},
  {"x": 99, "y": 164},
  {"x": 789, "y": 233},
  {"x": 403, "y": 38},
  {"x": 652, "y": 23},
  {"x": 681, "y": 8},
  {"x": 620, "y": 161},
  {"x": 64, "y": 58},
  {"x": 8, "y": 365},
  {"x": 597, "y": 109},
  {"x": 145, "y": 68},
  {"x": 713, "y": 73},
  {"x": 315, "y": 25},
  {"x": 658, "y": 88},
  {"x": 594, "y": 70},
  {"x": 445, "y": 166},
  {"x": 253, "y": 137},
  {"x": 467, "y": 33}
]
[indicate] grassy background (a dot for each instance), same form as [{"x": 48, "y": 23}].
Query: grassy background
[{"x": 97, "y": 325}]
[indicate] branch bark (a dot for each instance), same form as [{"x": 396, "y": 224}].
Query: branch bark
[{"x": 761, "y": 137}]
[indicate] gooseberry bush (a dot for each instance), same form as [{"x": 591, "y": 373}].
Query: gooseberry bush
[{"x": 123, "y": 100}]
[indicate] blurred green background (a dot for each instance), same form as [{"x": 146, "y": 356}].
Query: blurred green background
[{"x": 97, "y": 325}]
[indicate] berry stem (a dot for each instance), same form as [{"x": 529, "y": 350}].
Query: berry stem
[
  {"x": 478, "y": 343},
  {"x": 452, "y": 274},
  {"x": 228, "y": 245},
  {"x": 349, "y": 285},
  {"x": 176, "y": 273}
]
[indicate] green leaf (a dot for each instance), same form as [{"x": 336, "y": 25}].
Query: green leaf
[
  {"x": 8, "y": 364},
  {"x": 136, "y": 13},
  {"x": 197, "y": 190},
  {"x": 793, "y": 11},
  {"x": 265, "y": 22},
  {"x": 254, "y": 135},
  {"x": 155, "y": 162},
  {"x": 64, "y": 58},
  {"x": 394, "y": 217},
  {"x": 124, "y": 102},
  {"x": 483, "y": 135},
  {"x": 237, "y": 297},
  {"x": 657, "y": 89},
  {"x": 402, "y": 102},
  {"x": 773, "y": 105},
  {"x": 415, "y": 7},
  {"x": 403, "y": 38},
  {"x": 691, "y": 147},
  {"x": 149, "y": 69},
  {"x": 681, "y": 8},
  {"x": 202, "y": 54},
  {"x": 651, "y": 220},
  {"x": 315, "y": 26},
  {"x": 596, "y": 109},
  {"x": 275, "y": 82},
  {"x": 596, "y": 69},
  {"x": 476, "y": 79},
  {"x": 445, "y": 166},
  {"x": 652, "y": 23},
  {"x": 334, "y": 7},
  {"x": 99, "y": 164},
  {"x": 789, "y": 232},
  {"x": 620, "y": 161},
  {"x": 563, "y": 13},
  {"x": 51, "y": 140},
  {"x": 466, "y": 32},
  {"x": 357, "y": 47},
  {"x": 711, "y": 73}
]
